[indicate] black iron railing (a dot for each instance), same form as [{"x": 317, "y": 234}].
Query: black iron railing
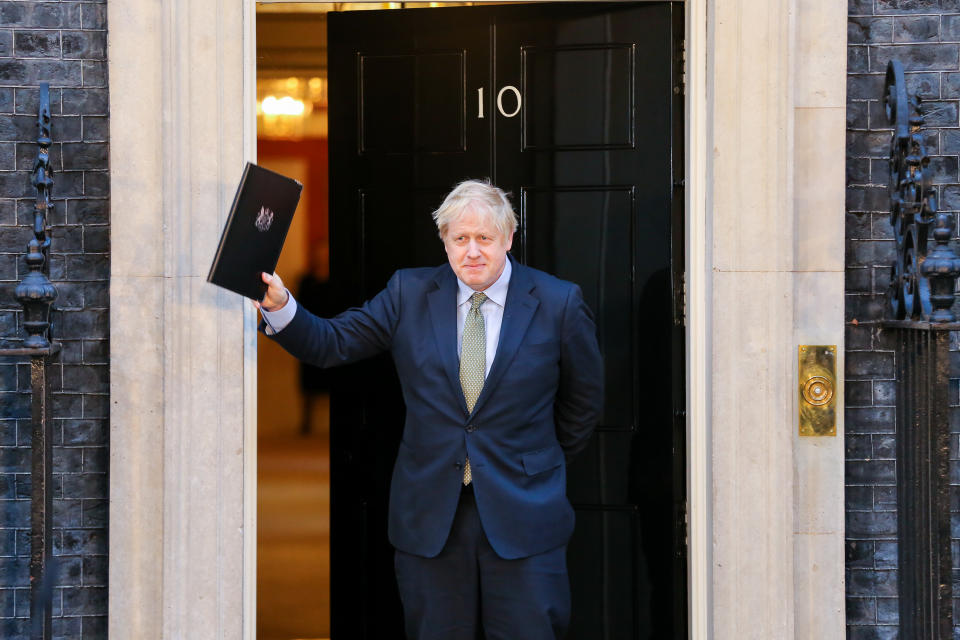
[
  {"x": 922, "y": 293},
  {"x": 36, "y": 293}
]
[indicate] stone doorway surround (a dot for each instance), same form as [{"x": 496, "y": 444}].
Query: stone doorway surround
[{"x": 765, "y": 87}]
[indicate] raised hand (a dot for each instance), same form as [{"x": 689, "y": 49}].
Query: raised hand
[{"x": 276, "y": 296}]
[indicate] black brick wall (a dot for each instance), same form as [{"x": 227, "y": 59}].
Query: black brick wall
[
  {"x": 925, "y": 36},
  {"x": 63, "y": 43}
]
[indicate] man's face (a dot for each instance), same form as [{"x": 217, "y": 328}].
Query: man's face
[{"x": 476, "y": 249}]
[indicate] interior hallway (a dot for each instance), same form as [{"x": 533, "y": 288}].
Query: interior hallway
[{"x": 293, "y": 536}]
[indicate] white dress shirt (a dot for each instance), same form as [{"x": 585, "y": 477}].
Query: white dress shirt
[{"x": 491, "y": 309}]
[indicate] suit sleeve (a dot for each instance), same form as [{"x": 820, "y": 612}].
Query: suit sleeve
[
  {"x": 355, "y": 334},
  {"x": 580, "y": 396}
]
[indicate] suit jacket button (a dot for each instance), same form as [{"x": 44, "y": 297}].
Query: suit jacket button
[{"x": 471, "y": 428}]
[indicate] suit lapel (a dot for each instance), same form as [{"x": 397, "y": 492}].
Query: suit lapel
[
  {"x": 443, "y": 315},
  {"x": 517, "y": 314}
]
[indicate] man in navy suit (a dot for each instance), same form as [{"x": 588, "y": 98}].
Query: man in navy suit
[{"x": 503, "y": 383}]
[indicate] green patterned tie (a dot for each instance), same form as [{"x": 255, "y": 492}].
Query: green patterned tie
[{"x": 473, "y": 361}]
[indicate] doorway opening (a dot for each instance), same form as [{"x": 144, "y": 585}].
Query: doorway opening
[{"x": 585, "y": 128}]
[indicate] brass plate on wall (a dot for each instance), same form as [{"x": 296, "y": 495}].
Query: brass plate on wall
[{"x": 818, "y": 390}]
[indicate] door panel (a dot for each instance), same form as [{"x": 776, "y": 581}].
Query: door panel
[{"x": 571, "y": 107}]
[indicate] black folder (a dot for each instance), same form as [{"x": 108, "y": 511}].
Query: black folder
[{"x": 256, "y": 228}]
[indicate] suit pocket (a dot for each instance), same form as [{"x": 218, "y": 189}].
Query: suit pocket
[{"x": 542, "y": 460}]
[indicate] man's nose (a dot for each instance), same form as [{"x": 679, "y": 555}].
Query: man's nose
[{"x": 473, "y": 249}]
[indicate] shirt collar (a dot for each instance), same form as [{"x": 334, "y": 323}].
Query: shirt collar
[{"x": 496, "y": 292}]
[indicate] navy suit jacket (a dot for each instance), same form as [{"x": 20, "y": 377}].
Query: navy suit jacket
[{"x": 538, "y": 407}]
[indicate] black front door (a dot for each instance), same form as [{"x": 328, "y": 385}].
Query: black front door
[{"x": 576, "y": 109}]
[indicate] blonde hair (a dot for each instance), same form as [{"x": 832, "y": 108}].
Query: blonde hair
[{"x": 482, "y": 197}]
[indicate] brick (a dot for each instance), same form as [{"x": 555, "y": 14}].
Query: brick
[
  {"x": 84, "y": 600},
  {"x": 859, "y": 7},
  {"x": 66, "y": 239},
  {"x": 95, "y": 570},
  {"x": 14, "y": 513},
  {"x": 95, "y": 128},
  {"x": 34, "y": 71},
  {"x": 870, "y": 471},
  {"x": 88, "y": 211},
  {"x": 94, "y": 73},
  {"x": 28, "y": 101},
  {"x": 888, "y": 610},
  {"x": 84, "y": 324},
  {"x": 7, "y": 601},
  {"x": 944, "y": 169},
  {"x": 871, "y": 252},
  {"x": 95, "y": 459},
  {"x": 858, "y": 59},
  {"x": 869, "y": 30},
  {"x": 858, "y": 447},
  {"x": 68, "y": 513},
  {"x": 86, "y": 155},
  {"x": 15, "y": 628},
  {"x": 866, "y": 143},
  {"x": 96, "y": 406},
  {"x": 858, "y": 393},
  {"x": 925, "y": 85},
  {"x": 86, "y": 101},
  {"x": 96, "y": 183},
  {"x": 884, "y": 446},
  {"x": 88, "y": 267},
  {"x": 867, "y": 199},
  {"x": 950, "y": 27},
  {"x": 880, "y": 227},
  {"x": 69, "y": 571},
  {"x": 916, "y": 29},
  {"x": 6, "y": 100},
  {"x": 84, "y": 485},
  {"x": 906, "y": 6},
  {"x": 93, "y": 16},
  {"x": 884, "y": 393},
  {"x": 871, "y": 582},
  {"x": 84, "y": 542},
  {"x": 859, "y": 498},
  {"x": 14, "y": 460},
  {"x": 95, "y": 513},
  {"x": 96, "y": 239},
  {"x": 857, "y": 115},
  {"x": 858, "y": 169},
  {"x": 67, "y": 459},
  {"x": 862, "y": 86},
  {"x": 87, "y": 431},
  {"x": 66, "y": 627},
  {"x": 39, "y": 15},
  {"x": 94, "y": 378},
  {"x": 858, "y": 279},
  {"x": 6, "y": 43},
  {"x": 94, "y": 627},
  {"x": 96, "y": 351},
  {"x": 37, "y": 44},
  {"x": 67, "y": 405},
  {"x": 950, "y": 199},
  {"x": 915, "y": 57},
  {"x": 861, "y": 610},
  {"x": 84, "y": 44}
]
